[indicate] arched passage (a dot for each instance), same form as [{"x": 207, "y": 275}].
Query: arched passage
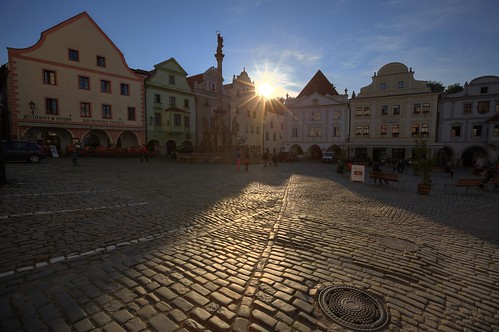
[
  {"x": 474, "y": 155},
  {"x": 127, "y": 139}
]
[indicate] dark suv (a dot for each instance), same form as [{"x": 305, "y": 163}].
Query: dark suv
[{"x": 22, "y": 151}]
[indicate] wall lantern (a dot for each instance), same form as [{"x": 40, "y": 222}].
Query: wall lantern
[{"x": 32, "y": 106}]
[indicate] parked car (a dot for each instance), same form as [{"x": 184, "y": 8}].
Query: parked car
[
  {"x": 22, "y": 151},
  {"x": 328, "y": 157}
]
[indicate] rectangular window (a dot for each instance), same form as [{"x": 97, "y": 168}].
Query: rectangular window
[
  {"x": 484, "y": 89},
  {"x": 314, "y": 131},
  {"x": 101, "y": 61},
  {"x": 358, "y": 130},
  {"x": 359, "y": 111},
  {"x": 73, "y": 55},
  {"x": 367, "y": 111},
  {"x": 383, "y": 130},
  {"x": 173, "y": 101},
  {"x": 84, "y": 82},
  {"x": 131, "y": 113},
  {"x": 51, "y": 106},
  {"x": 495, "y": 131},
  {"x": 157, "y": 98},
  {"x": 157, "y": 119},
  {"x": 105, "y": 86},
  {"x": 476, "y": 131},
  {"x": 415, "y": 129},
  {"x": 467, "y": 108},
  {"x": 455, "y": 131},
  {"x": 384, "y": 110},
  {"x": 49, "y": 77},
  {"x": 396, "y": 109},
  {"x": 400, "y": 84},
  {"x": 382, "y": 86},
  {"x": 294, "y": 132},
  {"x": 177, "y": 120},
  {"x": 186, "y": 103},
  {"x": 395, "y": 130},
  {"x": 497, "y": 108},
  {"x": 171, "y": 79},
  {"x": 316, "y": 116},
  {"x": 417, "y": 108},
  {"x": 336, "y": 131},
  {"x": 267, "y": 136},
  {"x": 365, "y": 130},
  {"x": 187, "y": 122},
  {"x": 125, "y": 89},
  {"x": 426, "y": 107},
  {"x": 106, "y": 111},
  {"x": 85, "y": 110},
  {"x": 425, "y": 128}
]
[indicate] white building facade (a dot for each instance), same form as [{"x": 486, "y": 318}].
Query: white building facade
[
  {"x": 469, "y": 123},
  {"x": 316, "y": 120},
  {"x": 388, "y": 114}
]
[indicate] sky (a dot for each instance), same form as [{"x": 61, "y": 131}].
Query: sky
[{"x": 283, "y": 42}]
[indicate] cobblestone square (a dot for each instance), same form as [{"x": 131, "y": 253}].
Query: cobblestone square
[{"x": 120, "y": 245}]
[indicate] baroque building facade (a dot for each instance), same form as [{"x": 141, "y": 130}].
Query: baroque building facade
[
  {"x": 469, "y": 122},
  {"x": 388, "y": 114},
  {"x": 73, "y": 87},
  {"x": 170, "y": 109},
  {"x": 316, "y": 120}
]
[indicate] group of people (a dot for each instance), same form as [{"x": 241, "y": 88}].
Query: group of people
[{"x": 268, "y": 159}]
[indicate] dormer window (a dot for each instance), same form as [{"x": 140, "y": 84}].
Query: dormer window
[{"x": 484, "y": 89}]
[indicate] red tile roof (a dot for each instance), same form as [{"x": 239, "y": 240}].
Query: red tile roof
[{"x": 320, "y": 84}]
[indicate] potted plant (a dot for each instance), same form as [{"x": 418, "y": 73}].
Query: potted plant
[
  {"x": 342, "y": 157},
  {"x": 423, "y": 165}
]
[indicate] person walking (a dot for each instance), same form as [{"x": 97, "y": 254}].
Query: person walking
[
  {"x": 265, "y": 158},
  {"x": 238, "y": 159},
  {"x": 143, "y": 154},
  {"x": 246, "y": 160},
  {"x": 74, "y": 157}
]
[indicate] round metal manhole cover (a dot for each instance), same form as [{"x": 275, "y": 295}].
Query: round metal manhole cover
[
  {"x": 399, "y": 244},
  {"x": 353, "y": 308}
]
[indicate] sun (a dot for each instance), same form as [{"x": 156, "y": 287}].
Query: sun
[{"x": 265, "y": 90}]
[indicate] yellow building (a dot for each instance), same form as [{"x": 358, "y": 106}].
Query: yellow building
[{"x": 74, "y": 87}]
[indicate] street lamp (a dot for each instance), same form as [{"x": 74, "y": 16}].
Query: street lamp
[{"x": 32, "y": 106}]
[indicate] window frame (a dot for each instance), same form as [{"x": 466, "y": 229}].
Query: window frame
[
  {"x": 49, "y": 109},
  {"x": 125, "y": 89},
  {"x": 49, "y": 77},
  {"x": 106, "y": 111},
  {"x": 100, "y": 61},
  {"x": 83, "y": 79},
  {"x": 84, "y": 110},
  {"x": 105, "y": 86},
  {"x": 131, "y": 114},
  {"x": 73, "y": 55}
]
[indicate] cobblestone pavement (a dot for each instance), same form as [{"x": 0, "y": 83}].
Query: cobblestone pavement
[{"x": 119, "y": 245}]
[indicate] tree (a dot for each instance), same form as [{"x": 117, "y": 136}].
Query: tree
[
  {"x": 435, "y": 86},
  {"x": 454, "y": 88}
]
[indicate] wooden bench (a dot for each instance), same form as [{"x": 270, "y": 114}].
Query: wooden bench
[
  {"x": 468, "y": 183},
  {"x": 383, "y": 176}
]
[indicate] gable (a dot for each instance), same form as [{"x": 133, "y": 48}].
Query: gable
[{"x": 82, "y": 34}]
